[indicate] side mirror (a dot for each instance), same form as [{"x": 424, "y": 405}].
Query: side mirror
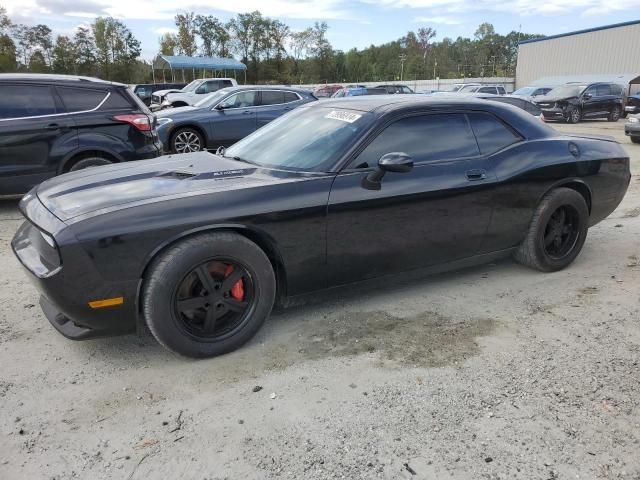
[
  {"x": 587, "y": 96},
  {"x": 200, "y": 90},
  {"x": 396, "y": 162}
]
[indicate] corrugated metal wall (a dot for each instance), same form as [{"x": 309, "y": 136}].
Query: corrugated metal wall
[{"x": 612, "y": 50}]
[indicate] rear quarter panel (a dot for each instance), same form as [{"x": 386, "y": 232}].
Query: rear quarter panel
[{"x": 527, "y": 171}]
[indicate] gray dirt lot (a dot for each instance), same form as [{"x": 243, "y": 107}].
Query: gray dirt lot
[{"x": 491, "y": 372}]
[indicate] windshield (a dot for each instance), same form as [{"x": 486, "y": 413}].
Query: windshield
[
  {"x": 565, "y": 91},
  {"x": 453, "y": 88},
  {"x": 211, "y": 99},
  {"x": 192, "y": 86},
  {"x": 307, "y": 139},
  {"x": 525, "y": 91}
]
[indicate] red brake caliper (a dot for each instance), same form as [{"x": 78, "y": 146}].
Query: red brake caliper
[{"x": 237, "y": 291}]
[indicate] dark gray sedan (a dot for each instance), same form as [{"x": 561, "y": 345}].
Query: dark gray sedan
[{"x": 226, "y": 116}]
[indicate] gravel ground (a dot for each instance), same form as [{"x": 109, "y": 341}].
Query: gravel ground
[{"x": 491, "y": 372}]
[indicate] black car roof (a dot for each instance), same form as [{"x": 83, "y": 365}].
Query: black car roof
[
  {"x": 56, "y": 79},
  {"x": 380, "y": 105}
]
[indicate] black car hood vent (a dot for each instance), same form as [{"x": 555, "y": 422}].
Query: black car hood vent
[{"x": 178, "y": 175}]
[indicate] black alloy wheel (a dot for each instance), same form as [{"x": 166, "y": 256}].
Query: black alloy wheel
[
  {"x": 213, "y": 299},
  {"x": 614, "y": 116},
  {"x": 561, "y": 232},
  {"x": 575, "y": 115}
]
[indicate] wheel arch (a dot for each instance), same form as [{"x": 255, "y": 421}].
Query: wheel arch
[
  {"x": 78, "y": 155},
  {"x": 575, "y": 184},
  {"x": 193, "y": 126},
  {"x": 260, "y": 238}
]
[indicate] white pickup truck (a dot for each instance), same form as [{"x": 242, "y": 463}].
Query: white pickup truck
[{"x": 190, "y": 94}]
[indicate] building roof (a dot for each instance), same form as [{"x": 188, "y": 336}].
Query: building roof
[
  {"x": 209, "y": 63},
  {"x": 577, "y": 32},
  {"x": 623, "y": 79}
]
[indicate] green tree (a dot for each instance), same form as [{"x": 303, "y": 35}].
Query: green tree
[
  {"x": 64, "y": 55},
  {"x": 187, "y": 30},
  {"x": 117, "y": 48},
  {"x": 215, "y": 36},
  {"x": 84, "y": 51},
  {"x": 168, "y": 44}
]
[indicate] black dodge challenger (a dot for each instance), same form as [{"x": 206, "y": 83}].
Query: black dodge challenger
[{"x": 201, "y": 246}]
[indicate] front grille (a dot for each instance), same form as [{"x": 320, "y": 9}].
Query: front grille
[
  {"x": 546, "y": 105},
  {"x": 155, "y": 98}
]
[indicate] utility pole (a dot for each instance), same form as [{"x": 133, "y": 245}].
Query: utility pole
[
  {"x": 435, "y": 65},
  {"x": 494, "y": 65},
  {"x": 402, "y": 58}
]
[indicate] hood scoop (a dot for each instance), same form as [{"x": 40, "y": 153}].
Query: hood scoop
[{"x": 178, "y": 175}]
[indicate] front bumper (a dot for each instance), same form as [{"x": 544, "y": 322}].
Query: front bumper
[
  {"x": 554, "y": 113},
  {"x": 632, "y": 129},
  {"x": 67, "y": 289},
  {"x": 631, "y": 109}
]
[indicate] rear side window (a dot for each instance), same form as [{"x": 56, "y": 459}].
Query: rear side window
[
  {"x": 227, "y": 83},
  {"x": 487, "y": 90},
  {"x": 501, "y": 90},
  {"x": 272, "y": 97},
  {"x": 290, "y": 97},
  {"x": 20, "y": 101},
  {"x": 117, "y": 101},
  {"x": 491, "y": 133},
  {"x": 532, "y": 108},
  {"x": 80, "y": 99},
  {"x": 616, "y": 90},
  {"x": 603, "y": 90},
  {"x": 425, "y": 138}
]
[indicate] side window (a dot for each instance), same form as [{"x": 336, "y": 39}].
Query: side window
[
  {"x": 406, "y": 90},
  {"x": 226, "y": 83},
  {"x": 603, "y": 90},
  {"x": 19, "y": 101},
  {"x": 116, "y": 101},
  {"x": 241, "y": 100},
  {"x": 501, "y": 91},
  {"x": 290, "y": 97},
  {"x": 271, "y": 97},
  {"x": 487, "y": 90},
  {"x": 80, "y": 99},
  {"x": 425, "y": 138},
  {"x": 532, "y": 108},
  {"x": 491, "y": 133},
  {"x": 591, "y": 91}
]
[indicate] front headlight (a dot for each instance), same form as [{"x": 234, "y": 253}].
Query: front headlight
[
  {"x": 634, "y": 120},
  {"x": 164, "y": 121},
  {"x": 166, "y": 103}
]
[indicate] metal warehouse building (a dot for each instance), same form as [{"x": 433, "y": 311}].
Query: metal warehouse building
[{"x": 608, "y": 50}]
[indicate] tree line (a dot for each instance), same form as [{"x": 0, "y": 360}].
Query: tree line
[{"x": 272, "y": 51}]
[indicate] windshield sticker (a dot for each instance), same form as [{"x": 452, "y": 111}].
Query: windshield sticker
[{"x": 348, "y": 117}]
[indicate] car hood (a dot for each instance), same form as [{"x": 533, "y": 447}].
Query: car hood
[
  {"x": 172, "y": 112},
  {"x": 100, "y": 189},
  {"x": 162, "y": 93},
  {"x": 549, "y": 99}
]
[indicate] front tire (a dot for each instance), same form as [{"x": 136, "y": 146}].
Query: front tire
[
  {"x": 614, "y": 116},
  {"x": 557, "y": 232},
  {"x": 575, "y": 115},
  {"x": 209, "y": 294},
  {"x": 187, "y": 140}
]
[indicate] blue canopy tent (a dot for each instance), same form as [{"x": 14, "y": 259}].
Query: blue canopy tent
[{"x": 182, "y": 62}]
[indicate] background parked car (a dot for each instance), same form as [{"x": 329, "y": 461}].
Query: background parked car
[
  {"x": 52, "y": 124},
  {"x": 190, "y": 94},
  {"x": 632, "y": 128},
  {"x": 491, "y": 89},
  {"x": 632, "y": 105},
  {"x": 145, "y": 90},
  {"x": 395, "y": 88},
  {"x": 224, "y": 117},
  {"x": 358, "y": 91},
  {"x": 530, "y": 92},
  {"x": 326, "y": 91},
  {"x": 573, "y": 102},
  {"x": 522, "y": 103}
]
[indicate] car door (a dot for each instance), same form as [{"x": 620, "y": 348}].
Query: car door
[
  {"x": 34, "y": 136},
  {"x": 234, "y": 118},
  {"x": 274, "y": 103},
  {"x": 590, "y": 101},
  {"x": 435, "y": 213}
]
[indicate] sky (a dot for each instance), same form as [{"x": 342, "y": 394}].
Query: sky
[{"x": 352, "y": 23}]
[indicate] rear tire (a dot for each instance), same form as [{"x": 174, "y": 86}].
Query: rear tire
[
  {"x": 89, "y": 162},
  {"x": 575, "y": 115},
  {"x": 635, "y": 139},
  {"x": 557, "y": 232},
  {"x": 180, "y": 319},
  {"x": 614, "y": 116}
]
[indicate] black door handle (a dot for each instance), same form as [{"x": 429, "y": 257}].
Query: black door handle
[
  {"x": 477, "y": 174},
  {"x": 54, "y": 126},
  {"x": 247, "y": 112}
]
